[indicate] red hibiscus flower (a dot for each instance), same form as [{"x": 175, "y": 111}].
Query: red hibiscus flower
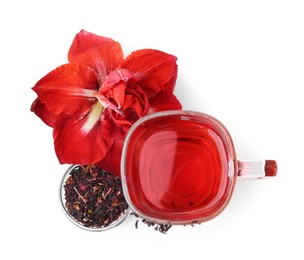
[{"x": 92, "y": 101}]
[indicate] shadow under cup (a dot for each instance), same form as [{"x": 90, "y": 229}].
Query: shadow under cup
[{"x": 178, "y": 167}]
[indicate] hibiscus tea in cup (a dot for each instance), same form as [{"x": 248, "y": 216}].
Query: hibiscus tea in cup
[{"x": 178, "y": 167}]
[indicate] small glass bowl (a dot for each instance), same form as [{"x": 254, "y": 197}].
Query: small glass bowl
[{"x": 74, "y": 221}]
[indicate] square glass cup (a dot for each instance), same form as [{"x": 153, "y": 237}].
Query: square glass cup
[{"x": 180, "y": 167}]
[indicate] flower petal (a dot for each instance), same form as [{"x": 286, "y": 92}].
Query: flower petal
[
  {"x": 102, "y": 58},
  {"x": 111, "y": 162},
  {"x": 83, "y": 140},
  {"x": 164, "y": 101},
  {"x": 114, "y": 85},
  {"x": 135, "y": 106},
  {"x": 85, "y": 40},
  {"x": 140, "y": 104},
  {"x": 40, "y": 110},
  {"x": 156, "y": 71},
  {"x": 69, "y": 89}
]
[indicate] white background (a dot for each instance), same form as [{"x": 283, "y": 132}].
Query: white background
[{"x": 240, "y": 61}]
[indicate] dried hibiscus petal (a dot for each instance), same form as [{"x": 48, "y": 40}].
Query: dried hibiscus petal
[{"x": 94, "y": 197}]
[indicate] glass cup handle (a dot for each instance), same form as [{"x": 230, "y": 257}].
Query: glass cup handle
[{"x": 252, "y": 170}]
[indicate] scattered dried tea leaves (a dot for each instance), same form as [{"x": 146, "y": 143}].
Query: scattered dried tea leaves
[
  {"x": 94, "y": 196},
  {"x": 162, "y": 228}
]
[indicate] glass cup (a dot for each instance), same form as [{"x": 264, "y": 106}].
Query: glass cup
[{"x": 180, "y": 167}]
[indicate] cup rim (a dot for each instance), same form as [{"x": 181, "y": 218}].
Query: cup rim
[
  {"x": 232, "y": 165},
  {"x": 74, "y": 221}
]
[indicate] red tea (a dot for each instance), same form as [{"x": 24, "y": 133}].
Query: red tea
[{"x": 178, "y": 168}]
